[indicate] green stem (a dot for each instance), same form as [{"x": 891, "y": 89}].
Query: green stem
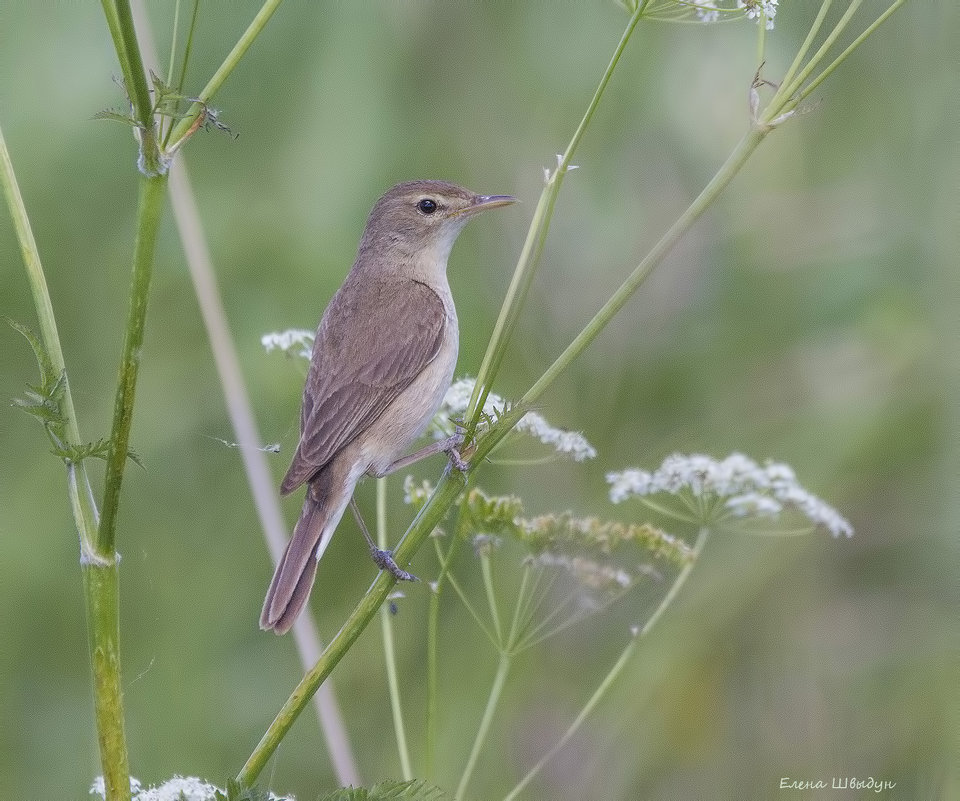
[
  {"x": 433, "y": 632},
  {"x": 614, "y": 673},
  {"x": 149, "y": 212},
  {"x": 120, "y": 22},
  {"x": 100, "y": 586},
  {"x": 807, "y": 43},
  {"x": 533, "y": 245},
  {"x": 782, "y": 98},
  {"x": 229, "y": 63},
  {"x": 491, "y": 598},
  {"x": 433, "y": 637},
  {"x": 846, "y": 52},
  {"x": 99, "y": 567},
  {"x": 85, "y": 514},
  {"x": 616, "y": 302},
  {"x": 446, "y": 492},
  {"x": 496, "y": 690},
  {"x": 389, "y": 652}
]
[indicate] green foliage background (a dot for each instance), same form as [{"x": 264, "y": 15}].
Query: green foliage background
[{"x": 811, "y": 316}]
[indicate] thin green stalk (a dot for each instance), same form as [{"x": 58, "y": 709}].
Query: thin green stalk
[
  {"x": 433, "y": 639},
  {"x": 523, "y": 609},
  {"x": 761, "y": 38},
  {"x": 508, "y": 648},
  {"x": 828, "y": 70},
  {"x": 807, "y": 43},
  {"x": 389, "y": 652},
  {"x": 787, "y": 91},
  {"x": 187, "y": 50},
  {"x": 446, "y": 492},
  {"x": 188, "y": 47},
  {"x": 533, "y": 245},
  {"x": 614, "y": 673},
  {"x": 85, "y": 514},
  {"x": 491, "y": 598},
  {"x": 496, "y": 690},
  {"x": 433, "y": 633},
  {"x": 717, "y": 184},
  {"x": 172, "y": 58},
  {"x": 223, "y": 72},
  {"x": 149, "y": 213},
  {"x": 120, "y": 22}
]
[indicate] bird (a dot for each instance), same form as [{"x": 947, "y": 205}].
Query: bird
[{"x": 383, "y": 357}]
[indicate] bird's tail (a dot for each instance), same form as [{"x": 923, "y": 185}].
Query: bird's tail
[{"x": 293, "y": 579}]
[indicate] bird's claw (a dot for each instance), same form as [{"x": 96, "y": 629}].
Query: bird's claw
[
  {"x": 384, "y": 560},
  {"x": 454, "y": 454}
]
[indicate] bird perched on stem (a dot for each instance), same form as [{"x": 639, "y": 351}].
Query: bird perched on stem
[{"x": 383, "y": 357}]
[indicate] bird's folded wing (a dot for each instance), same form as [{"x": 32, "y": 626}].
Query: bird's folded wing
[{"x": 373, "y": 341}]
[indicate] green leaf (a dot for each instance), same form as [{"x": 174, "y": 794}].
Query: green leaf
[
  {"x": 116, "y": 116},
  {"x": 413, "y": 790},
  {"x": 96, "y": 450},
  {"x": 48, "y": 374},
  {"x": 43, "y": 401},
  {"x": 160, "y": 87}
]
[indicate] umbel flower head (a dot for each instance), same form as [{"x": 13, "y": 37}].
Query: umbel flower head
[
  {"x": 736, "y": 487},
  {"x": 581, "y": 565},
  {"x": 457, "y": 399},
  {"x": 179, "y": 788},
  {"x": 763, "y": 11}
]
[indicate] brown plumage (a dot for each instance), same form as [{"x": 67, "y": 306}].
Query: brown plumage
[{"x": 383, "y": 357}]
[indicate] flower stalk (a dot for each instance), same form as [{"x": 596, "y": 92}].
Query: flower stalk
[
  {"x": 536, "y": 236},
  {"x": 614, "y": 673}
]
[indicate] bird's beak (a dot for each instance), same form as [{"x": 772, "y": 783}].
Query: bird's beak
[{"x": 484, "y": 202}]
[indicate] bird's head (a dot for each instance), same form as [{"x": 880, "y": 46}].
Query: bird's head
[{"x": 420, "y": 220}]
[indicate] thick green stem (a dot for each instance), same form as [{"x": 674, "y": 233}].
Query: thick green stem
[
  {"x": 99, "y": 567},
  {"x": 450, "y": 486},
  {"x": 148, "y": 222},
  {"x": 100, "y": 585}
]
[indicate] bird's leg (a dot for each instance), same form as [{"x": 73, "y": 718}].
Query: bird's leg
[
  {"x": 448, "y": 446},
  {"x": 382, "y": 558}
]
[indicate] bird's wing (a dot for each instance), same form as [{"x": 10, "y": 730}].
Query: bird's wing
[{"x": 372, "y": 342}]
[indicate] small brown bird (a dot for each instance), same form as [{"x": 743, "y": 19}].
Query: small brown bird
[{"x": 383, "y": 358}]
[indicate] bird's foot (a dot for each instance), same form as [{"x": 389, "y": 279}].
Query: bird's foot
[
  {"x": 453, "y": 453},
  {"x": 384, "y": 560}
]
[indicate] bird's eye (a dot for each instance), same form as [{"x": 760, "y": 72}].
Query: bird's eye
[{"x": 427, "y": 206}]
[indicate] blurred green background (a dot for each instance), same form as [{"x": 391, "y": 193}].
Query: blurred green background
[{"x": 811, "y": 316}]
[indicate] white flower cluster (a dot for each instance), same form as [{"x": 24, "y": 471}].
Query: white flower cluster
[
  {"x": 293, "y": 342},
  {"x": 760, "y": 10},
  {"x": 593, "y": 574},
  {"x": 416, "y": 493},
  {"x": 749, "y": 489},
  {"x": 179, "y": 788},
  {"x": 457, "y": 399},
  {"x": 709, "y": 11}
]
